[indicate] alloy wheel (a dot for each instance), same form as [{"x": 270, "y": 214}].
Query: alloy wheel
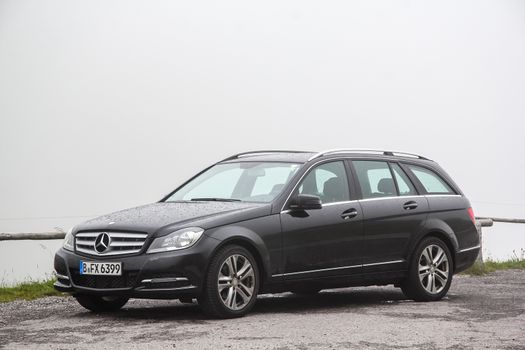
[
  {"x": 433, "y": 269},
  {"x": 236, "y": 282}
]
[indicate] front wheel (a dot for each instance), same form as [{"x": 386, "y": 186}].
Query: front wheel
[
  {"x": 101, "y": 304},
  {"x": 231, "y": 284},
  {"x": 430, "y": 271}
]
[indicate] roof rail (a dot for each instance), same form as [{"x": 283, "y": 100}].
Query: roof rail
[
  {"x": 245, "y": 154},
  {"x": 386, "y": 153}
]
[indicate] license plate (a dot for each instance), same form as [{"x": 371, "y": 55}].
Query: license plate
[{"x": 100, "y": 268}]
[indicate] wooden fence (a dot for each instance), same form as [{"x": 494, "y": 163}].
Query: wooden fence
[
  {"x": 35, "y": 236},
  {"x": 480, "y": 222}
]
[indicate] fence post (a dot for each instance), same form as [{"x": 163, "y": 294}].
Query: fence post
[
  {"x": 479, "y": 259},
  {"x": 482, "y": 222}
]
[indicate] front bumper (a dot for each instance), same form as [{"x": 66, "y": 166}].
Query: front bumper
[{"x": 166, "y": 275}]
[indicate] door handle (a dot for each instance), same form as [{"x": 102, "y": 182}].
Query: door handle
[
  {"x": 349, "y": 214},
  {"x": 410, "y": 205}
]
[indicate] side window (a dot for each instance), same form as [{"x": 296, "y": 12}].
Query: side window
[
  {"x": 405, "y": 186},
  {"x": 375, "y": 178},
  {"x": 327, "y": 181},
  {"x": 431, "y": 181}
]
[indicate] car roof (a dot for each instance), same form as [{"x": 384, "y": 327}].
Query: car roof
[
  {"x": 306, "y": 156},
  {"x": 271, "y": 156}
]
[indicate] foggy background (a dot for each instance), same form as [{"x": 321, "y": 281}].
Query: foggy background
[{"x": 106, "y": 105}]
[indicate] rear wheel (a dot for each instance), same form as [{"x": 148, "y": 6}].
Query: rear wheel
[
  {"x": 101, "y": 304},
  {"x": 232, "y": 283},
  {"x": 430, "y": 271}
]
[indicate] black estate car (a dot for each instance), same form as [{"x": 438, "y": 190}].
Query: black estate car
[{"x": 275, "y": 221}]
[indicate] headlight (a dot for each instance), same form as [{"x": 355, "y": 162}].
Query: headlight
[
  {"x": 69, "y": 240},
  {"x": 179, "y": 239}
]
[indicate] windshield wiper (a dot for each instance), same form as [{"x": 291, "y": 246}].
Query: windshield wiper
[{"x": 205, "y": 199}]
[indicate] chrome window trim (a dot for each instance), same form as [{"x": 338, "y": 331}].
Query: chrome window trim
[
  {"x": 362, "y": 199},
  {"x": 443, "y": 195},
  {"x": 380, "y": 198},
  {"x": 340, "y": 202},
  {"x": 338, "y": 268},
  {"x": 414, "y": 196},
  {"x": 388, "y": 197},
  {"x": 469, "y": 249}
]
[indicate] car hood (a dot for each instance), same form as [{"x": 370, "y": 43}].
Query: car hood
[{"x": 167, "y": 216}]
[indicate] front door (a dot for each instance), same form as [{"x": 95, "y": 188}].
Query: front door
[{"x": 326, "y": 241}]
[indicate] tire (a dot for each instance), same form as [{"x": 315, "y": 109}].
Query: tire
[
  {"x": 97, "y": 303},
  {"x": 231, "y": 283},
  {"x": 430, "y": 271}
]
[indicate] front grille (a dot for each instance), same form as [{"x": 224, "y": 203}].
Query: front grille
[
  {"x": 127, "y": 280},
  {"x": 119, "y": 243}
]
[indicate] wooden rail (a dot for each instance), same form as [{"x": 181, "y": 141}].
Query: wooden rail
[
  {"x": 512, "y": 221},
  {"x": 481, "y": 222},
  {"x": 32, "y": 236}
]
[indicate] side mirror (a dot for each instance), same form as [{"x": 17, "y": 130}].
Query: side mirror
[{"x": 306, "y": 202}]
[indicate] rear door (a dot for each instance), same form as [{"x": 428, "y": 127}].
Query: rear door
[
  {"x": 393, "y": 212},
  {"x": 445, "y": 203},
  {"x": 327, "y": 241}
]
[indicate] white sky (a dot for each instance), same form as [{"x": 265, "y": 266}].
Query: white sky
[{"x": 110, "y": 104}]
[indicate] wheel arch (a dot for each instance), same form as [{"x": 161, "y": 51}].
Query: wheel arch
[
  {"x": 438, "y": 229},
  {"x": 446, "y": 239},
  {"x": 250, "y": 241}
]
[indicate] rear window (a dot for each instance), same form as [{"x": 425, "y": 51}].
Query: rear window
[{"x": 431, "y": 181}]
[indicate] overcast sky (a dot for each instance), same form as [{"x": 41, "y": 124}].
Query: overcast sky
[{"x": 110, "y": 104}]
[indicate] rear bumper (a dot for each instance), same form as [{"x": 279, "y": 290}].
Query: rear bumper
[
  {"x": 466, "y": 258},
  {"x": 161, "y": 275}
]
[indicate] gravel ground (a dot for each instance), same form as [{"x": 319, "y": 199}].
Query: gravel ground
[{"x": 479, "y": 313}]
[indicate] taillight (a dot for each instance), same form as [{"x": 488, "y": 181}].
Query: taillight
[{"x": 472, "y": 217}]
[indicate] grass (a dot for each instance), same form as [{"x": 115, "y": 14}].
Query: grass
[
  {"x": 28, "y": 291},
  {"x": 488, "y": 266}
]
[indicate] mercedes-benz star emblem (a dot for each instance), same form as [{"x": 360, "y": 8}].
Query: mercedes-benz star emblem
[{"x": 102, "y": 242}]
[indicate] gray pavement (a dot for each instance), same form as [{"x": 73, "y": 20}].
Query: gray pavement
[{"x": 479, "y": 313}]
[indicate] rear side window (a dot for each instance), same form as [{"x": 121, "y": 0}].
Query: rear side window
[
  {"x": 375, "y": 179},
  {"x": 431, "y": 181},
  {"x": 403, "y": 182}
]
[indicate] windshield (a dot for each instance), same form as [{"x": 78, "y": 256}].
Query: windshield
[{"x": 242, "y": 181}]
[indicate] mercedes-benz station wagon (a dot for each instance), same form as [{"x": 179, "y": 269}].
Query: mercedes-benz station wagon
[{"x": 277, "y": 221}]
